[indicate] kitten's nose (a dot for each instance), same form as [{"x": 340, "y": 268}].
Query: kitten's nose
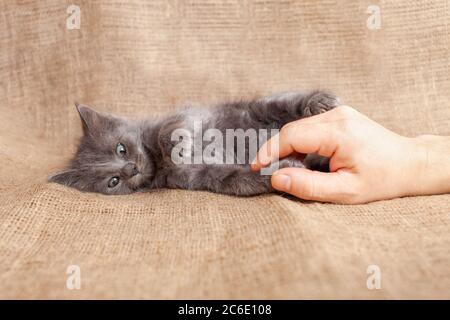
[{"x": 130, "y": 169}]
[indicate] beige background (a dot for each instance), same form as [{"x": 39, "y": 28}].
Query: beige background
[{"x": 138, "y": 58}]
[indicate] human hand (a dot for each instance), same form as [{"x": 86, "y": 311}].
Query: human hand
[{"x": 367, "y": 161}]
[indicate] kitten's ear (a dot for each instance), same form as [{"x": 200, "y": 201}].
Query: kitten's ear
[
  {"x": 66, "y": 177},
  {"x": 91, "y": 119}
]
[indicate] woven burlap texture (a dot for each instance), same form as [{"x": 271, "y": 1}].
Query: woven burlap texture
[{"x": 141, "y": 58}]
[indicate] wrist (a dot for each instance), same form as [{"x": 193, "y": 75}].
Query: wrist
[{"x": 430, "y": 165}]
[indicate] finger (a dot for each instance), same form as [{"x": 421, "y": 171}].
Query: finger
[
  {"x": 299, "y": 136},
  {"x": 314, "y": 185}
]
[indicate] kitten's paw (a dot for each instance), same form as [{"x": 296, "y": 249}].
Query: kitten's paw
[
  {"x": 319, "y": 102},
  {"x": 295, "y": 161},
  {"x": 291, "y": 161}
]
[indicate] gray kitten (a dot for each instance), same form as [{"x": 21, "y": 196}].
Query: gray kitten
[{"x": 121, "y": 156}]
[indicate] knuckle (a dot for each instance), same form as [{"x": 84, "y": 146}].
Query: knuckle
[
  {"x": 287, "y": 127},
  {"x": 287, "y": 130},
  {"x": 346, "y": 119},
  {"x": 346, "y": 111},
  {"x": 346, "y": 125}
]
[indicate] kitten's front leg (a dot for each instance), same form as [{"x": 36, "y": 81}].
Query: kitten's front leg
[{"x": 236, "y": 180}]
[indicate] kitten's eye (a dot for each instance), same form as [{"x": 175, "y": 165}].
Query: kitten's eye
[
  {"x": 114, "y": 181},
  {"x": 120, "y": 149}
]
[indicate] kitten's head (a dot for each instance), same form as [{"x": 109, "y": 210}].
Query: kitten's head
[{"x": 111, "y": 158}]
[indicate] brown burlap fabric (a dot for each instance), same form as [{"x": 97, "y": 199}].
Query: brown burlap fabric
[{"x": 138, "y": 58}]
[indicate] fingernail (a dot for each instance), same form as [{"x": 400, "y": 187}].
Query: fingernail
[
  {"x": 281, "y": 182},
  {"x": 264, "y": 160}
]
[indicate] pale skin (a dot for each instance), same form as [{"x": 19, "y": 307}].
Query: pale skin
[{"x": 367, "y": 161}]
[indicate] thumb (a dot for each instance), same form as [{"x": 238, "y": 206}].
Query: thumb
[{"x": 315, "y": 185}]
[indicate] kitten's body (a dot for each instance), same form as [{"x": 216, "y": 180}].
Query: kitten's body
[{"x": 148, "y": 161}]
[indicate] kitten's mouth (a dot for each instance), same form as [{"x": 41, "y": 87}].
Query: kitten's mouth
[
  {"x": 145, "y": 173},
  {"x": 136, "y": 181}
]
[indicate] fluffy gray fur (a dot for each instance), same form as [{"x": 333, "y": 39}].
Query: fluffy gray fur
[{"x": 146, "y": 162}]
